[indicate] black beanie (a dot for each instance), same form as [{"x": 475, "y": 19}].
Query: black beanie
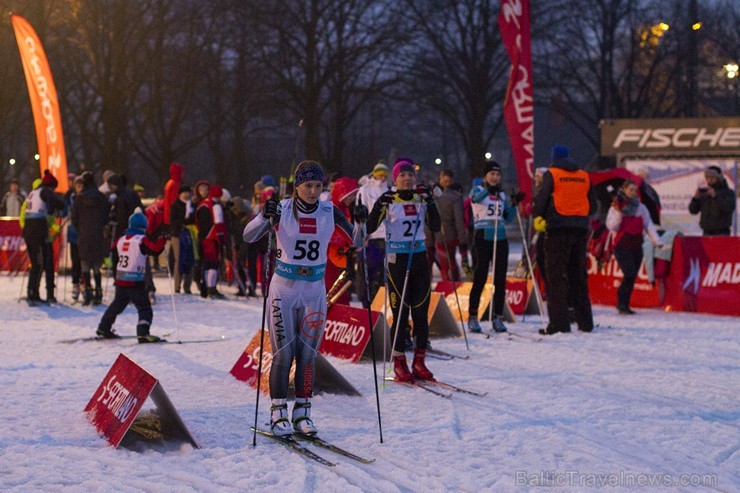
[{"x": 492, "y": 166}]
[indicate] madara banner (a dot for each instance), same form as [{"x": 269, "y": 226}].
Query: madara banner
[
  {"x": 44, "y": 102},
  {"x": 513, "y": 21}
]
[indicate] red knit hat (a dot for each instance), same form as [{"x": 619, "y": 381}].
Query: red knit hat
[{"x": 48, "y": 180}]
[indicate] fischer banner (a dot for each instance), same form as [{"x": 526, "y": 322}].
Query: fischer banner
[
  {"x": 115, "y": 405},
  {"x": 44, "y": 102},
  {"x": 513, "y": 21}
]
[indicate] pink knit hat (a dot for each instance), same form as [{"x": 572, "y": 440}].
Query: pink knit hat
[{"x": 403, "y": 164}]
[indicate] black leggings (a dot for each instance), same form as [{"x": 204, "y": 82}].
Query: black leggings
[
  {"x": 125, "y": 295},
  {"x": 483, "y": 259},
  {"x": 417, "y": 296},
  {"x": 629, "y": 261}
]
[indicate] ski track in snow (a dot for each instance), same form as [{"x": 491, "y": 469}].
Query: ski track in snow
[{"x": 654, "y": 393}]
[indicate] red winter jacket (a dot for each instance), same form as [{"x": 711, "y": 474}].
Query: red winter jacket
[{"x": 171, "y": 188}]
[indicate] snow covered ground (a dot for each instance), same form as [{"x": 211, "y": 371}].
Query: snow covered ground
[{"x": 650, "y": 400}]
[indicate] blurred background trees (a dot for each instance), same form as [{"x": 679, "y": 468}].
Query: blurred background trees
[{"x": 221, "y": 86}]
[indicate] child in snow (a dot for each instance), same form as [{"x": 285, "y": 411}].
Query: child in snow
[
  {"x": 132, "y": 248},
  {"x": 297, "y": 297},
  {"x": 490, "y": 210},
  {"x": 405, "y": 207}
]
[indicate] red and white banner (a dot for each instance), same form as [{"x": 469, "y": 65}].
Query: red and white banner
[
  {"x": 513, "y": 21},
  {"x": 346, "y": 333},
  {"x": 326, "y": 377},
  {"x": 121, "y": 395},
  {"x": 705, "y": 275},
  {"x": 44, "y": 101},
  {"x": 603, "y": 285},
  {"x": 13, "y": 255}
]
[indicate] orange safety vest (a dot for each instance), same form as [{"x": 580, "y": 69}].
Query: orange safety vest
[{"x": 570, "y": 192}]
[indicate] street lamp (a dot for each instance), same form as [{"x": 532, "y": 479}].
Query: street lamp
[
  {"x": 732, "y": 70},
  {"x": 12, "y": 161},
  {"x": 36, "y": 157},
  {"x": 438, "y": 161},
  {"x": 488, "y": 155}
]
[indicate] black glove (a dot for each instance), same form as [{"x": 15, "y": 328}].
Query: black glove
[
  {"x": 494, "y": 189},
  {"x": 360, "y": 213},
  {"x": 387, "y": 197},
  {"x": 518, "y": 198},
  {"x": 270, "y": 209},
  {"x": 425, "y": 193}
]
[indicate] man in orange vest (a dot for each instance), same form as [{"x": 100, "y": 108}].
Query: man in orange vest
[{"x": 565, "y": 202}]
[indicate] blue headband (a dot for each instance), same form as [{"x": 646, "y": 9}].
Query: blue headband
[{"x": 310, "y": 172}]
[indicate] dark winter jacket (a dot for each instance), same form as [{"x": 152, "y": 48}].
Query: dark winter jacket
[
  {"x": 716, "y": 212},
  {"x": 450, "y": 205},
  {"x": 37, "y": 229},
  {"x": 125, "y": 204},
  {"x": 89, "y": 216},
  {"x": 177, "y": 217},
  {"x": 544, "y": 205}
]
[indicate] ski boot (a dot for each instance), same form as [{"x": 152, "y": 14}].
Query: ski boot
[
  {"x": 498, "y": 325},
  {"x": 279, "y": 424},
  {"x": 302, "y": 422},
  {"x": 98, "y": 298},
  {"x": 213, "y": 294},
  {"x": 421, "y": 372},
  {"x": 148, "y": 338},
  {"x": 87, "y": 297},
  {"x": 401, "y": 369},
  {"x": 75, "y": 292},
  {"x": 466, "y": 269},
  {"x": 50, "y": 298},
  {"x": 474, "y": 324},
  {"x": 106, "y": 334}
]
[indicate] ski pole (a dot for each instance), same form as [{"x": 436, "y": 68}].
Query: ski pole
[
  {"x": 406, "y": 278},
  {"x": 266, "y": 287},
  {"x": 454, "y": 287},
  {"x": 372, "y": 338},
  {"x": 535, "y": 287},
  {"x": 493, "y": 260},
  {"x": 172, "y": 290}
]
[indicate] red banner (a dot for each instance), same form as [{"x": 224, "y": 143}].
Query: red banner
[
  {"x": 603, "y": 285},
  {"x": 513, "y": 21},
  {"x": 13, "y": 255},
  {"x": 44, "y": 101},
  {"x": 346, "y": 333},
  {"x": 704, "y": 275},
  {"x": 123, "y": 391}
]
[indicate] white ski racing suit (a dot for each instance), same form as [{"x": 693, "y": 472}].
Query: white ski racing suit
[{"x": 296, "y": 303}]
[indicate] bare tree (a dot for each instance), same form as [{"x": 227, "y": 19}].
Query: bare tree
[
  {"x": 458, "y": 68},
  {"x": 327, "y": 57}
]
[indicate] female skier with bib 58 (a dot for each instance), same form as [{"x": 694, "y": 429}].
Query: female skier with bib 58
[
  {"x": 296, "y": 295},
  {"x": 408, "y": 273}
]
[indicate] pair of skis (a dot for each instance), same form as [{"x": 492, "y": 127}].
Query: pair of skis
[
  {"x": 164, "y": 341},
  {"x": 443, "y": 355},
  {"x": 435, "y": 387},
  {"x": 292, "y": 442}
]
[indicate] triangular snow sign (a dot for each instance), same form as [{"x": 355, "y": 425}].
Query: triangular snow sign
[
  {"x": 117, "y": 401},
  {"x": 442, "y": 322},
  {"x": 327, "y": 379}
]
